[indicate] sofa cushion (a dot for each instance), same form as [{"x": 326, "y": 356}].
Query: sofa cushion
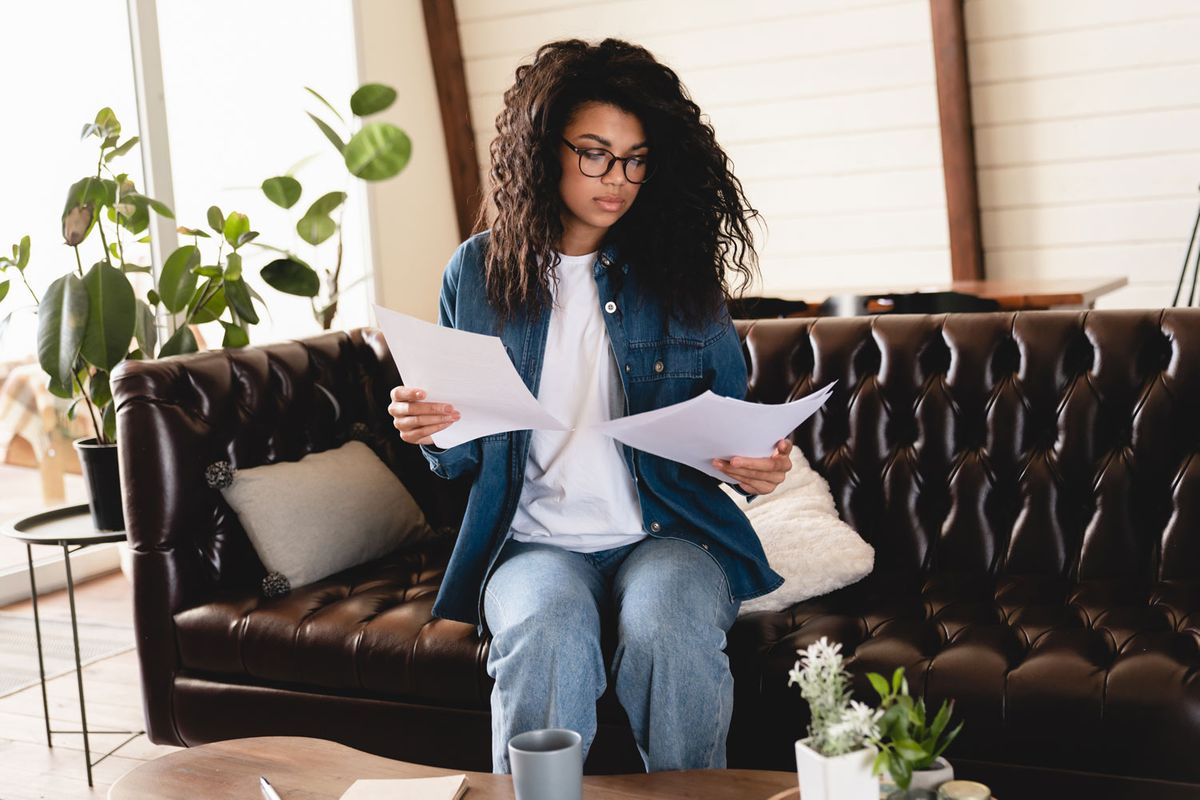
[
  {"x": 366, "y": 630},
  {"x": 1046, "y": 672}
]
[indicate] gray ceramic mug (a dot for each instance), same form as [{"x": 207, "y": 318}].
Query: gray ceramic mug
[{"x": 547, "y": 764}]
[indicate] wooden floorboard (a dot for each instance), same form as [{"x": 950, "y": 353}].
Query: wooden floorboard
[{"x": 29, "y": 770}]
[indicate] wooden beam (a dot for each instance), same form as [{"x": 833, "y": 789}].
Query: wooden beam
[
  {"x": 445, "y": 52},
  {"x": 958, "y": 140}
]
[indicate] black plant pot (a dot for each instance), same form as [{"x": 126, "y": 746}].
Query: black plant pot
[{"x": 103, "y": 479}]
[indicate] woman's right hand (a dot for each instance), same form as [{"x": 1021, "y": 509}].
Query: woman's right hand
[{"x": 417, "y": 421}]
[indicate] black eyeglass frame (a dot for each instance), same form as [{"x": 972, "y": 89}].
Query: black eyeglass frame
[{"x": 612, "y": 159}]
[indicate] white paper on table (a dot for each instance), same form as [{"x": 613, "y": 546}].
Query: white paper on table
[
  {"x": 710, "y": 426},
  {"x": 470, "y": 371},
  {"x": 447, "y": 787}
]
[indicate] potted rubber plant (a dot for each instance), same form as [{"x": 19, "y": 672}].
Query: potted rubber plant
[
  {"x": 834, "y": 762},
  {"x": 910, "y": 746},
  {"x": 375, "y": 151},
  {"x": 90, "y": 319}
]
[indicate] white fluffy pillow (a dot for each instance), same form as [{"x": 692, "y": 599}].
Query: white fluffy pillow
[
  {"x": 804, "y": 539},
  {"x": 324, "y": 513}
]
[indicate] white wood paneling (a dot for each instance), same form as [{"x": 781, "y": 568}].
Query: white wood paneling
[
  {"x": 827, "y": 108},
  {"x": 1087, "y": 115}
]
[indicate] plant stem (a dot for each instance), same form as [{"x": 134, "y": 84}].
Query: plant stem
[
  {"x": 78, "y": 260},
  {"x": 36, "y": 301},
  {"x": 100, "y": 438}
]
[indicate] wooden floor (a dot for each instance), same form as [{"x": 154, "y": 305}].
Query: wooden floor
[{"x": 30, "y": 769}]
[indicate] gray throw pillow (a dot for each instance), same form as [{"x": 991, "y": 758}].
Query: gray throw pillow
[{"x": 327, "y": 512}]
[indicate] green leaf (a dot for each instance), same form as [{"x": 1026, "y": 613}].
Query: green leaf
[
  {"x": 107, "y": 122},
  {"x": 248, "y": 236},
  {"x": 192, "y": 232},
  {"x": 233, "y": 267},
  {"x": 153, "y": 298},
  {"x": 215, "y": 220},
  {"x": 62, "y": 320},
  {"x": 177, "y": 281},
  {"x": 327, "y": 104},
  {"x": 239, "y": 300},
  {"x": 144, "y": 330},
  {"x": 23, "y": 253},
  {"x": 99, "y": 388},
  {"x": 897, "y": 676},
  {"x": 121, "y": 150},
  {"x": 315, "y": 229},
  {"x": 371, "y": 98},
  {"x": 283, "y": 191},
  {"x": 111, "y": 316},
  {"x": 909, "y": 750},
  {"x": 212, "y": 309},
  {"x": 4, "y": 290},
  {"x": 85, "y": 197},
  {"x": 877, "y": 681},
  {"x": 326, "y": 204},
  {"x": 292, "y": 276},
  {"x": 377, "y": 152},
  {"x": 59, "y": 389},
  {"x": 135, "y": 268},
  {"x": 182, "y": 341},
  {"x": 109, "y": 422},
  {"x": 235, "y": 335},
  {"x": 158, "y": 206},
  {"x": 208, "y": 272},
  {"x": 330, "y": 134},
  {"x": 235, "y": 225}
]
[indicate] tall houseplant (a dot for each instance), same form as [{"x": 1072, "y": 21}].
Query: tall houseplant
[
  {"x": 90, "y": 320},
  {"x": 376, "y": 151}
]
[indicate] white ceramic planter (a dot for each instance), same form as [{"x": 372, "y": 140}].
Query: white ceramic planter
[
  {"x": 935, "y": 776},
  {"x": 845, "y": 777},
  {"x": 930, "y": 779}
]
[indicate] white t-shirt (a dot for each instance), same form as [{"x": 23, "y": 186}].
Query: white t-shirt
[{"x": 578, "y": 493}]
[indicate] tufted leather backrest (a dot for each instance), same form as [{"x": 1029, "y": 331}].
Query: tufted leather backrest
[
  {"x": 251, "y": 406},
  {"x": 1007, "y": 443}
]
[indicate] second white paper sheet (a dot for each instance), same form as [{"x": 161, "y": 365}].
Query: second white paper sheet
[
  {"x": 470, "y": 371},
  {"x": 710, "y": 426}
]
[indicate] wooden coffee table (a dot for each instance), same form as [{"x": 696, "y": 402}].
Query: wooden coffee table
[{"x": 315, "y": 769}]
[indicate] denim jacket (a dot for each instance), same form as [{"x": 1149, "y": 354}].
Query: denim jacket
[{"x": 659, "y": 365}]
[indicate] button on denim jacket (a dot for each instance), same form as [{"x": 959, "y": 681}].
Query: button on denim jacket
[{"x": 659, "y": 365}]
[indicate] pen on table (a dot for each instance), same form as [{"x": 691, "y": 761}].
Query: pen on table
[{"x": 268, "y": 791}]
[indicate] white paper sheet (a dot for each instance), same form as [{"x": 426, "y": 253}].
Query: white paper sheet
[
  {"x": 710, "y": 426},
  {"x": 470, "y": 371},
  {"x": 447, "y": 787}
]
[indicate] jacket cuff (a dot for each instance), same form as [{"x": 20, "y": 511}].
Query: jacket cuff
[{"x": 449, "y": 462}]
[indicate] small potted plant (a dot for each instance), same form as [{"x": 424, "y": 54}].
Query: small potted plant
[
  {"x": 910, "y": 748},
  {"x": 834, "y": 762}
]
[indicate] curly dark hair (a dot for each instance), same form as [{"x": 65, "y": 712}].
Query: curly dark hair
[{"x": 686, "y": 232}]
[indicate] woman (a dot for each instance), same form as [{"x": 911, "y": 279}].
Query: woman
[{"x": 604, "y": 274}]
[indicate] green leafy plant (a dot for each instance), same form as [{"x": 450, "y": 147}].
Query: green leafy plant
[
  {"x": 906, "y": 741},
  {"x": 91, "y": 320},
  {"x": 17, "y": 263},
  {"x": 376, "y": 151}
]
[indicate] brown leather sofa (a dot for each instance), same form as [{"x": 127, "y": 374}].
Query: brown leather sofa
[{"x": 1031, "y": 484}]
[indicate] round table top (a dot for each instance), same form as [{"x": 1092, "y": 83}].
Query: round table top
[
  {"x": 61, "y": 526},
  {"x": 315, "y": 769}
]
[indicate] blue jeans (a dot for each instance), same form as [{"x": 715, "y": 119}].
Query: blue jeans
[{"x": 544, "y": 605}]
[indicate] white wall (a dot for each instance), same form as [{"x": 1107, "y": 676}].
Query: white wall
[
  {"x": 1087, "y": 115},
  {"x": 828, "y": 109},
  {"x": 414, "y": 226}
]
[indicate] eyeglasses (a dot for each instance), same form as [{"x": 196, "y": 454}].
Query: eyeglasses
[{"x": 595, "y": 162}]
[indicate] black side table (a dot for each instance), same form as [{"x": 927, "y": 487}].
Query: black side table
[{"x": 70, "y": 528}]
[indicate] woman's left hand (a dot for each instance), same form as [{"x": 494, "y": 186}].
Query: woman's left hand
[{"x": 759, "y": 475}]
